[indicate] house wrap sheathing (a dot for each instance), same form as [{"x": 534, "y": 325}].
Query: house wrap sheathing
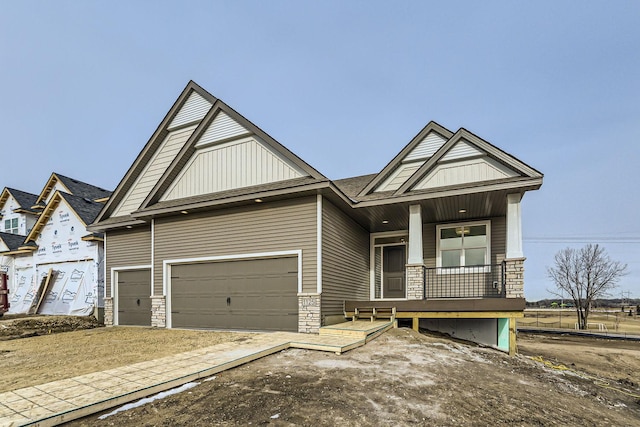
[{"x": 57, "y": 245}]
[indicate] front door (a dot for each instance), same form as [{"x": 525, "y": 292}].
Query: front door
[{"x": 393, "y": 266}]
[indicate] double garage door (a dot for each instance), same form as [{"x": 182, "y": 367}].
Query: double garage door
[{"x": 256, "y": 294}]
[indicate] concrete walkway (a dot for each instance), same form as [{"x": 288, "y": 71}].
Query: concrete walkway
[{"x": 65, "y": 400}]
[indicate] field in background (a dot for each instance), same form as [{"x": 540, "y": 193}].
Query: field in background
[{"x": 610, "y": 320}]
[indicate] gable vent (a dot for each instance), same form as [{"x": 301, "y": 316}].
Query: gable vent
[
  {"x": 223, "y": 127},
  {"x": 192, "y": 111},
  {"x": 461, "y": 150},
  {"x": 426, "y": 148}
]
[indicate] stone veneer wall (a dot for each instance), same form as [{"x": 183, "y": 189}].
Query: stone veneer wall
[
  {"x": 514, "y": 274},
  {"x": 415, "y": 281},
  {"x": 309, "y": 313},
  {"x": 108, "y": 311},
  {"x": 158, "y": 311}
]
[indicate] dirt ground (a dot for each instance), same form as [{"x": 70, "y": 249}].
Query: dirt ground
[
  {"x": 405, "y": 378},
  {"x": 401, "y": 378},
  {"x": 47, "y": 354}
]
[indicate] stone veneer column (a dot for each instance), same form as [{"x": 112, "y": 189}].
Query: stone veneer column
[
  {"x": 309, "y": 313},
  {"x": 514, "y": 277},
  {"x": 415, "y": 281},
  {"x": 158, "y": 311},
  {"x": 108, "y": 311}
]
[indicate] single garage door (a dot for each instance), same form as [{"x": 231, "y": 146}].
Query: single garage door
[
  {"x": 256, "y": 294},
  {"x": 134, "y": 304}
]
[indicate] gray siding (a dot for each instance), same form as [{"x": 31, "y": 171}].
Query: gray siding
[
  {"x": 345, "y": 260},
  {"x": 127, "y": 248},
  {"x": 268, "y": 227}
]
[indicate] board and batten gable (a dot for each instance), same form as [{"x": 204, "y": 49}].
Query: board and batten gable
[
  {"x": 127, "y": 248},
  {"x": 258, "y": 229},
  {"x": 345, "y": 260},
  {"x": 162, "y": 158},
  {"x": 239, "y": 163}
]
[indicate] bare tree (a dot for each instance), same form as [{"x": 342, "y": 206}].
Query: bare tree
[{"x": 585, "y": 274}]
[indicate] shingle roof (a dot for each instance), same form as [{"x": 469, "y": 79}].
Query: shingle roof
[
  {"x": 353, "y": 186},
  {"x": 82, "y": 189},
  {"x": 86, "y": 208},
  {"x": 24, "y": 199},
  {"x": 13, "y": 241}
]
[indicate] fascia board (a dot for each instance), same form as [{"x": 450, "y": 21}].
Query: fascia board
[
  {"x": 136, "y": 168},
  {"x": 100, "y": 227},
  {"x": 44, "y": 216},
  {"x": 390, "y": 167},
  {"x": 150, "y": 213},
  {"x": 519, "y": 184},
  {"x": 501, "y": 155},
  {"x": 429, "y": 164},
  {"x": 181, "y": 160}
]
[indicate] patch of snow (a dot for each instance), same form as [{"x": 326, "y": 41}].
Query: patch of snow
[
  {"x": 146, "y": 400},
  {"x": 210, "y": 378},
  {"x": 275, "y": 417}
]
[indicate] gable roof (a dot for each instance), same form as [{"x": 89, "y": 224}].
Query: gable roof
[
  {"x": 72, "y": 186},
  {"x": 431, "y": 127},
  {"x": 12, "y": 241},
  {"x": 83, "y": 207},
  {"x": 150, "y": 148},
  {"x": 475, "y": 146},
  {"x": 189, "y": 149},
  {"x": 422, "y": 165},
  {"x": 24, "y": 199},
  {"x": 234, "y": 125}
]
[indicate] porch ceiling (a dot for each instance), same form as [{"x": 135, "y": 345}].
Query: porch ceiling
[{"x": 395, "y": 216}]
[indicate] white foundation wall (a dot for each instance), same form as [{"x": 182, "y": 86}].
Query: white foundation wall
[{"x": 481, "y": 331}]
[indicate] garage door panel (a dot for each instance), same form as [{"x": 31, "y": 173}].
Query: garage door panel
[
  {"x": 246, "y": 294},
  {"x": 134, "y": 304}
]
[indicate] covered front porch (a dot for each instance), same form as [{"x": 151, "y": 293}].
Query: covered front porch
[{"x": 452, "y": 264}]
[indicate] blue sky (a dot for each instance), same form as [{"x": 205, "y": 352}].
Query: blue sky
[{"x": 345, "y": 85}]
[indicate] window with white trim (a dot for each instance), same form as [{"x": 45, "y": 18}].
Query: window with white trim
[
  {"x": 463, "y": 245},
  {"x": 11, "y": 225}
]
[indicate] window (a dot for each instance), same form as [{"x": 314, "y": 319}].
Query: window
[
  {"x": 11, "y": 225},
  {"x": 463, "y": 245}
]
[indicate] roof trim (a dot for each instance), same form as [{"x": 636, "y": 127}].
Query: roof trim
[
  {"x": 150, "y": 212},
  {"x": 123, "y": 222},
  {"x": 492, "y": 151},
  {"x": 47, "y": 212},
  {"x": 189, "y": 149},
  {"x": 19, "y": 251},
  {"x": 391, "y": 166},
  {"x": 46, "y": 190},
  {"x": 4, "y": 196},
  {"x": 518, "y": 184},
  {"x": 150, "y": 148}
]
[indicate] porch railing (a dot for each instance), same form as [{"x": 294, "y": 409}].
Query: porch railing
[{"x": 481, "y": 281}]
